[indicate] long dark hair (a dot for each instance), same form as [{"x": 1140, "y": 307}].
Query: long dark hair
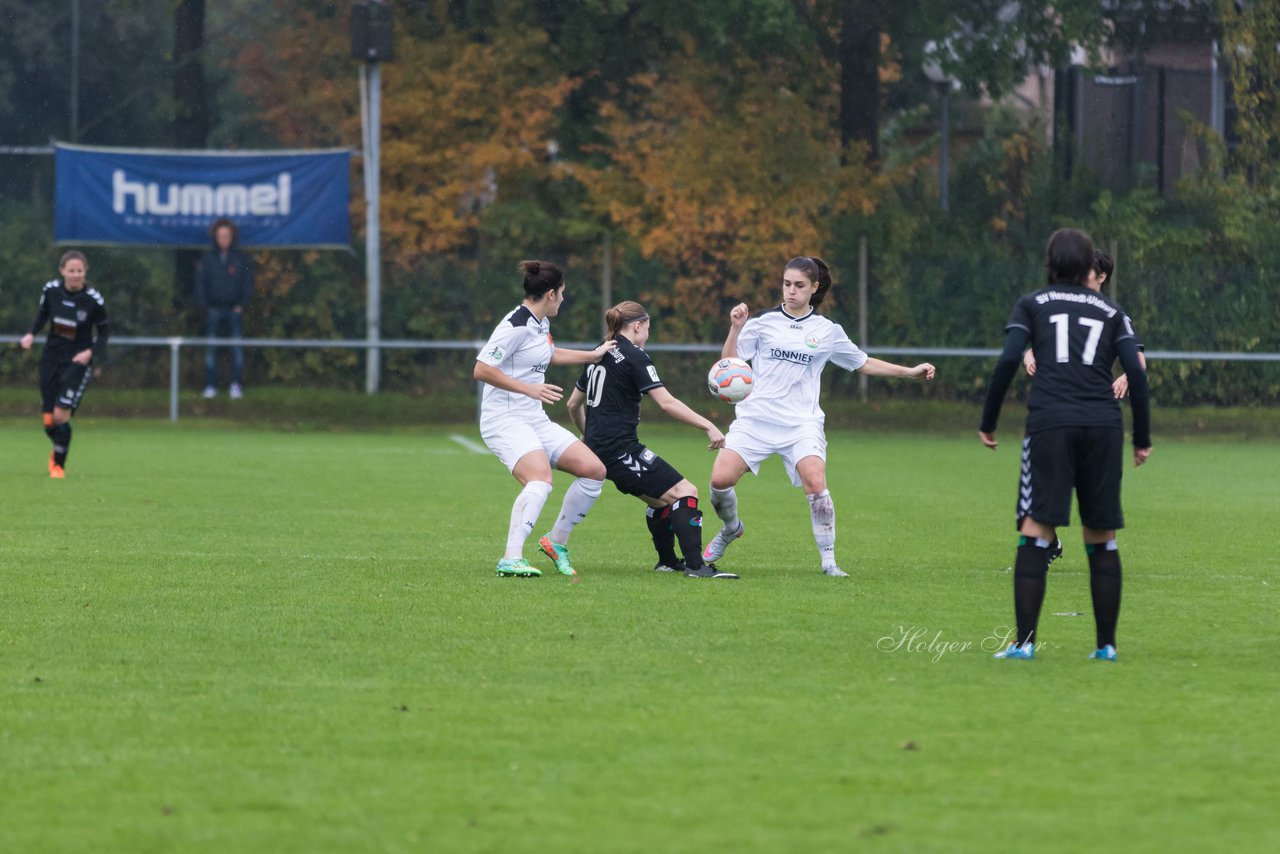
[
  {"x": 816, "y": 270},
  {"x": 1068, "y": 257},
  {"x": 540, "y": 277}
]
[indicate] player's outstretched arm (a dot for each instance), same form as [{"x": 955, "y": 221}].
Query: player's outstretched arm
[
  {"x": 680, "y": 411},
  {"x": 880, "y": 368},
  {"x": 564, "y": 356}
]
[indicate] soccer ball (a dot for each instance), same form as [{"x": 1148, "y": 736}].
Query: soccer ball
[{"x": 730, "y": 380}]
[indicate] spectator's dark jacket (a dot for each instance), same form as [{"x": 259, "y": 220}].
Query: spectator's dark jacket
[{"x": 224, "y": 281}]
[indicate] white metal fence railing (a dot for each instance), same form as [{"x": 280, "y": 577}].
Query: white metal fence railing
[{"x": 175, "y": 344}]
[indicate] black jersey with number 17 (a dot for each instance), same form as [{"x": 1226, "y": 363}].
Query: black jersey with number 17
[
  {"x": 613, "y": 387},
  {"x": 1074, "y": 332}
]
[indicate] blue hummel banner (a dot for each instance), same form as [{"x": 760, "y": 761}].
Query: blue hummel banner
[{"x": 146, "y": 197}]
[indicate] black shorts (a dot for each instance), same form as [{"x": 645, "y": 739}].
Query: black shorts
[
  {"x": 1088, "y": 460},
  {"x": 62, "y": 384},
  {"x": 636, "y": 470}
]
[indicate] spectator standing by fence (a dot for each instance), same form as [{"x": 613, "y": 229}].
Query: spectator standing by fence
[{"x": 224, "y": 284}]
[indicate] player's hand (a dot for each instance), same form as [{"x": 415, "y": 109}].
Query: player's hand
[
  {"x": 715, "y": 439},
  {"x": 924, "y": 371},
  {"x": 27, "y": 341},
  {"x": 1029, "y": 362},
  {"x": 739, "y": 314},
  {"x": 83, "y": 357},
  {"x": 1140, "y": 456},
  {"x": 988, "y": 439},
  {"x": 545, "y": 392},
  {"x": 603, "y": 348},
  {"x": 1120, "y": 387}
]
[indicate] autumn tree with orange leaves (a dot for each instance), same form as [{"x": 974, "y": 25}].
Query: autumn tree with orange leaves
[{"x": 723, "y": 173}]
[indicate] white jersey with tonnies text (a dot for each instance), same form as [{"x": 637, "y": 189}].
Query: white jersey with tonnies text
[
  {"x": 787, "y": 355},
  {"x": 521, "y": 348}
]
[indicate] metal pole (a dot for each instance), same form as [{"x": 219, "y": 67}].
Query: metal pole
[
  {"x": 943, "y": 172},
  {"x": 373, "y": 237},
  {"x": 75, "y": 70},
  {"x": 174, "y": 346},
  {"x": 862, "y": 311},
  {"x": 606, "y": 281}
]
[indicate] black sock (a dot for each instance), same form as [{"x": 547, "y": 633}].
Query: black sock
[
  {"x": 1029, "y": 572},
  {"x": 664, "y": 539},
  {"x": 61, "y": 442},
  {"x": 1104, "y": 584},
  {"x": 686, "y": 520}
]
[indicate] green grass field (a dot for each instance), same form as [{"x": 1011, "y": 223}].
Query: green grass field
[{"x": 221, "y": 638}]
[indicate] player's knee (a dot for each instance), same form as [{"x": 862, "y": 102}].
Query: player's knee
[
  {"x": 61, "y": 416},
  {"x": 1033, "y": 559},
  {"x": 1104, "y": 558}
]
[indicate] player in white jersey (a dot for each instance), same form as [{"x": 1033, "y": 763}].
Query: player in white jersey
[
  {"x": 788, "y": 347},
  {"x": 513, "y": 365}
]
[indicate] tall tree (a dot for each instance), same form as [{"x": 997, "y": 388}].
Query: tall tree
[{"x": 1251, "y": 35}]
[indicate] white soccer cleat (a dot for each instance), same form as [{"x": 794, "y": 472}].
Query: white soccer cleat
[
  {"x": 716, "y": 548},
  {"x": 835, "y": 572}
]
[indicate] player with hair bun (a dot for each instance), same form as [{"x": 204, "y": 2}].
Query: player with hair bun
[
  {"x": 788, "y": 346},
  {"x": 605, "y": 404},
  {"x": 513, "y": 366}
]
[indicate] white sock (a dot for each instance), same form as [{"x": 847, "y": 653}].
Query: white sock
[
  {"x": 725, "y": 503},
  {"x": 524, "y": 515},
  {"x": 582, "y": 493},
  {"x": 822, "y": 513}
]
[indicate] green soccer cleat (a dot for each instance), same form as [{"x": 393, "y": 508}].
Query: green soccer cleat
[
  {"x": 559, "y": 555},
  {"x": 517, "y": 567}
]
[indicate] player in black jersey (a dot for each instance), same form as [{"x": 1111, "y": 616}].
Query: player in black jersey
[
  {"x": 1103, "y": 268},
  {"x": 73, "y": 312},
  {"x": 1075, "y": 432},
  {"x": 605, "y": 404}
]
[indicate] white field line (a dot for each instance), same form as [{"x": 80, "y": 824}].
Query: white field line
[{"x": 470, "y": 444}]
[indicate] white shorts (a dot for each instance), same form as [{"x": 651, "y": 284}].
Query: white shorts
[
  {"x": 756, "y": 440},
  {"x": 510, "y": 438}
]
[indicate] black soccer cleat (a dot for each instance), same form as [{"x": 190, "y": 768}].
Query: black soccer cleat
[
  {"x": 708, "y": 570},
  {"x": 1055, "y": 550},
  {"x": 663, "y": 566}
]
